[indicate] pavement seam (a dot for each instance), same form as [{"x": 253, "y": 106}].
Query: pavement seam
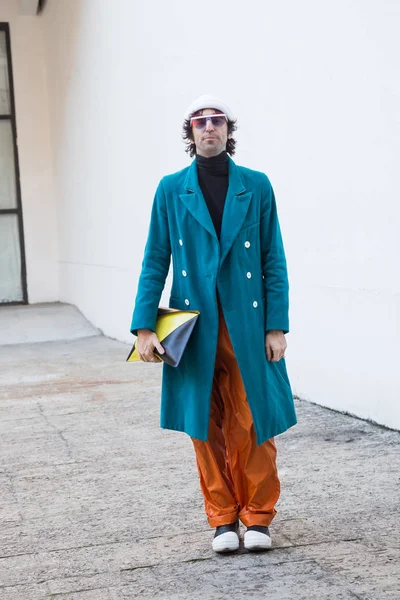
[
  {"x": 16, "y": 555},
  {"x": 112, "y": 543},
  {"x": 215, "y": 557},
  {"x": 294, "y": 545},
  {"x": 56, "y": 387},
  {"x": 53, "y": 595}
]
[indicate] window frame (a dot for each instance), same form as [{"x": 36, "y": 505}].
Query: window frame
[{"x": 18, "y": 209}]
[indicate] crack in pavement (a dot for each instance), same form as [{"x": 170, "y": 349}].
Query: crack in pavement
[
  {"x": 355, "y": 595},
  {"x": 14, "y": 495},
  {"x": 58, "y": 431},
  {"x": 77, "y": 412}
]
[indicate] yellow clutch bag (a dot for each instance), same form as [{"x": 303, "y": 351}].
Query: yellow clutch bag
[{"x": 173, "y": 328}]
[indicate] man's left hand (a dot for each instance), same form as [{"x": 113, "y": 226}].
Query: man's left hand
[{"x": 275, "y": 345}]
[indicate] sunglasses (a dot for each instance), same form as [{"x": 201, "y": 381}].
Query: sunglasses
[{"x": 216, "y": 120}]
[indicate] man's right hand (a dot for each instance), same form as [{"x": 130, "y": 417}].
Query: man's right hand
[{"x": 146, "y": 344}]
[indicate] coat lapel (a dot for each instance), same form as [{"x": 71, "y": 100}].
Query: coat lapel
[
  {"x": 194, "y": 200},
  {"x": 236, "y": 206}
]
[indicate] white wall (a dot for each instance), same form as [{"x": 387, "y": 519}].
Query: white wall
[
  {"x": 315, "y": 87},
  {"x": 35, "y": 161}
]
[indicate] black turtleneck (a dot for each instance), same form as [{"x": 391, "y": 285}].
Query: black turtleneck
[{"x": 213, "y": 181}]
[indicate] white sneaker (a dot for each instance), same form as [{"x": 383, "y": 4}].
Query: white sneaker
[
  {"x": 257, "y": 538},
  {"x": 226, "y": 538}
]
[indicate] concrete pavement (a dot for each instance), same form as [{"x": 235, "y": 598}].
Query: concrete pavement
[
  {"x": 98, "y": 503},
  {"x": 42, "y": 323}
]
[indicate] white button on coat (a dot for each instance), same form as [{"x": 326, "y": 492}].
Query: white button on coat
[
  {"x": 184, "y": 273},
  {"x": 255, "y": 303},
  {"x": 180, "y": 242},
  {"x": 248, "y": 275},
  {"x": 187, "y": 302},
  {"x": 247, "y": 244}
]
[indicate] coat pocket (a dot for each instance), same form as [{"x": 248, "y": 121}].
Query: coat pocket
[{"x": 280, "y": 369}]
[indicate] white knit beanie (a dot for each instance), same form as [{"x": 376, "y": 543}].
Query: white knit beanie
[{"x": 209, "y": 101}]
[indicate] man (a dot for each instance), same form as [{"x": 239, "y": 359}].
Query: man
[{"x": 230, "y": 392}]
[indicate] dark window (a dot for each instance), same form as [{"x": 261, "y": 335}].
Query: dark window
[{"x": 12, "y": 253}]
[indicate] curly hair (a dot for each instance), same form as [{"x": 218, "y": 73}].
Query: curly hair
[{"x": 187, "y": 136}]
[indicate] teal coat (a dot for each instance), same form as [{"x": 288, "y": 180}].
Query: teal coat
[{"x": 248, "y": 268}]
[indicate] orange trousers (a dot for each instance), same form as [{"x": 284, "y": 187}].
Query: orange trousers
[{"x": 237, "y": 477}]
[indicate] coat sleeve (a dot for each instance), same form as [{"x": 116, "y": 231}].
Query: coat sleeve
[
  {"x": 155, "y": 266},
  {"x": 273, "y": 265}
]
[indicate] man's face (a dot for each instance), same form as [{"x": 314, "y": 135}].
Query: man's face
[{"x": 210, "y": 141}]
